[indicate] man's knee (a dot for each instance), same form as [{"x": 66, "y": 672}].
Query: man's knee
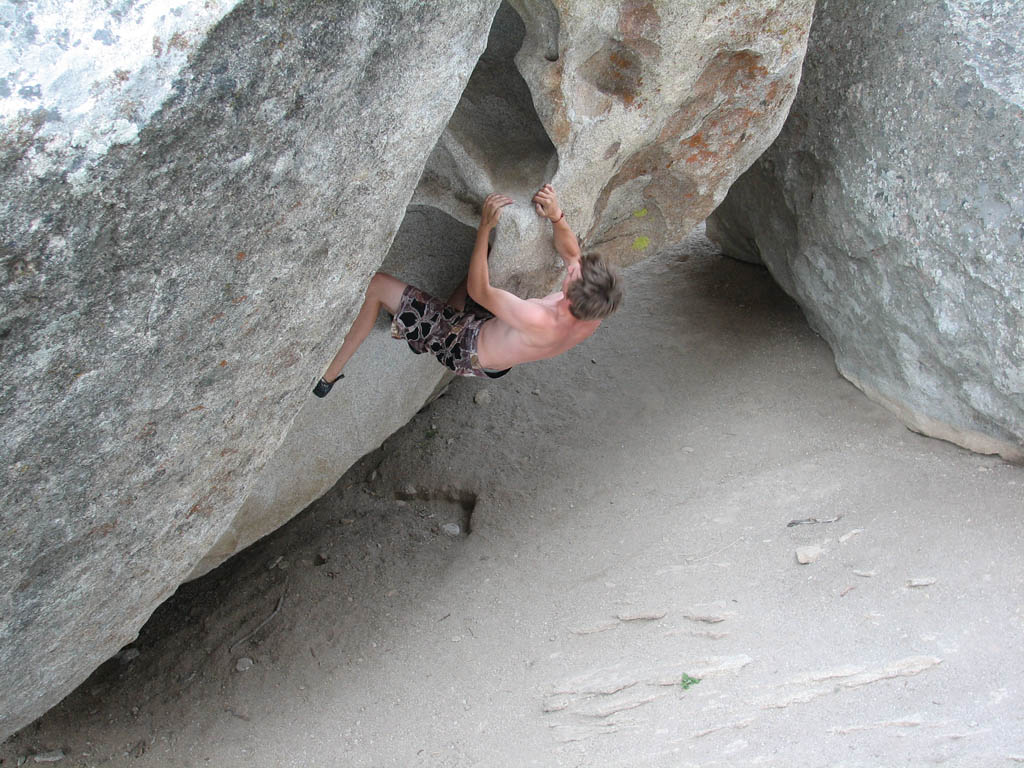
[{"x": 387, "y": 289}]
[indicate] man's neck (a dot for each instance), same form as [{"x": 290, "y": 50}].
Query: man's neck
[{"x": 564, "y": 309}]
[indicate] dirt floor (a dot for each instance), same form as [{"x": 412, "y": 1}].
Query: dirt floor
[{"x": 594, "y": 562}]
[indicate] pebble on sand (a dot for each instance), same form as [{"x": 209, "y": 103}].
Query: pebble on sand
[
  {"x": 807, "y": 555},
  {"x": 49, "y": 757},
  {"x": 243, "y": 664},
  {"x": 483, "y": 397}
]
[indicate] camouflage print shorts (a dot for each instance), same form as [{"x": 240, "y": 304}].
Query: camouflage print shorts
[{"x": 430, "y": 325}]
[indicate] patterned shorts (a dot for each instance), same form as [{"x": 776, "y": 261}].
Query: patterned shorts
[{"x": 430, "y": 325}]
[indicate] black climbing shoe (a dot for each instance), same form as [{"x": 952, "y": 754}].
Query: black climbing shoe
[{"x": 324, "y": 386}]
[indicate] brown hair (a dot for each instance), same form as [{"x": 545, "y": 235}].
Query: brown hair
[{"x": 598, "y": 291}]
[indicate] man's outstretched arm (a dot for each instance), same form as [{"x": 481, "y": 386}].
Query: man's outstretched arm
[
  {"x": 506, "y": 306},
  {"x": 568, "y": 247}
]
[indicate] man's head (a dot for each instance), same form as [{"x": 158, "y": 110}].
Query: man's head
[{"x": 597, "y": 292}]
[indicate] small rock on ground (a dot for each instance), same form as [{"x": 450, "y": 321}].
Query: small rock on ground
[
  {"x": 807, "y": 555},
  {"x": 49, "y": 757}
]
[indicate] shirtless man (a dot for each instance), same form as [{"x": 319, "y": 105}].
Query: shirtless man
[{"x": 493, "y": 330}]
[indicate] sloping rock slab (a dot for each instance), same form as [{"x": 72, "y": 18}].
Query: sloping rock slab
[
  {"x": 168, "y": 279},
  {"x": 891, "y": 209}
]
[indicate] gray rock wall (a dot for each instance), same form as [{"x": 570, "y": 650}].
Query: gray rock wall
[
  {"x": 166, "y": 298},
  {"x": 187, "y": 235},
  {"x": 892, "y": 209}
]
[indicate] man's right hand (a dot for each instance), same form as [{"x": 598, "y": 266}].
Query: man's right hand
[
  {"x": 546, "y": 203},
  {"x": 492, "y": 210}
]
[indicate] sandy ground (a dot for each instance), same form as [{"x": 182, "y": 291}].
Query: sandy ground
[{"x": 592, "y": 562}]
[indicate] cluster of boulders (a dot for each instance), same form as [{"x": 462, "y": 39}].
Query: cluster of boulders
[{"x": 195, "y": 195}]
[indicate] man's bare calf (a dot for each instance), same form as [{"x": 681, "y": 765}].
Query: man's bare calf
[{"x": 384, "y": 290}]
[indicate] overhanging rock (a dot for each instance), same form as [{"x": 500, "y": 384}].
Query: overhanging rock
[{"x": 187, "y": 236}]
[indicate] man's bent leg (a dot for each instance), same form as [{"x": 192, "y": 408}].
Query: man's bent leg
[{"x": 383, "y": 291}]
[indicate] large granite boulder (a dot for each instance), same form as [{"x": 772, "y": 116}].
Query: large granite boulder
[
  {"x": 176, "y": 242},
  {"x": 189, "y": 225},
  {"x": 892, "y": 209}
]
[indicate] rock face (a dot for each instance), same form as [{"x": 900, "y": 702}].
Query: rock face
[
  {"x": 892, "y": 209},
  {"x": 187, "y": 235}
]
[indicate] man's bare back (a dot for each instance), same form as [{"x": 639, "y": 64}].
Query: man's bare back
[
  {"x": 520, "y": 330},
  {"x": 502, "y": 346},
  {"x": 524, "y": 330}
]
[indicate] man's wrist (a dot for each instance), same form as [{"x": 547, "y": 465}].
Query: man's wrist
[{"x": 558, "y": 218}]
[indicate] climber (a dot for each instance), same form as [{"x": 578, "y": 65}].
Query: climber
[{"x": 491, "y": 330}]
